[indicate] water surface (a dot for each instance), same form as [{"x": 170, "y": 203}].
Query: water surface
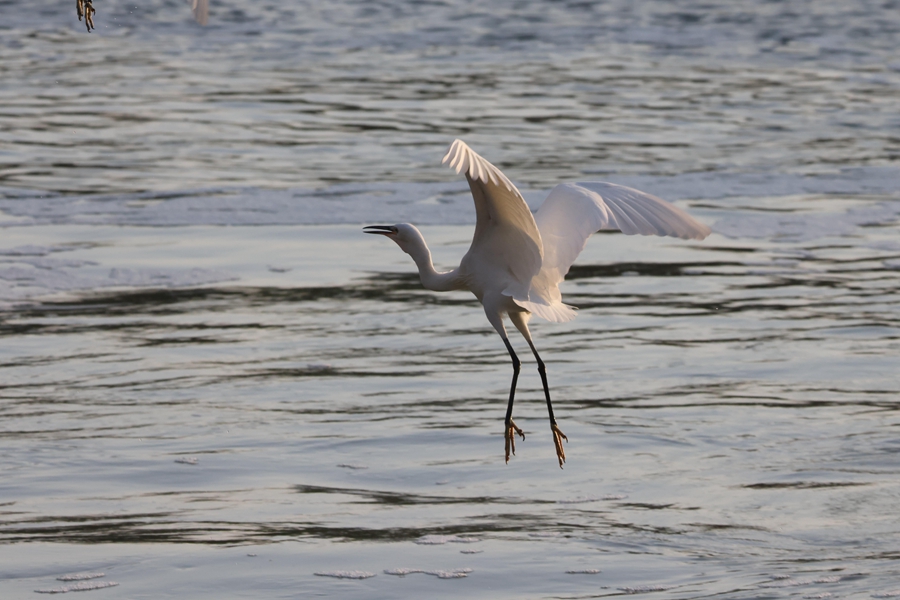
[{"x": 212, "y": 383}]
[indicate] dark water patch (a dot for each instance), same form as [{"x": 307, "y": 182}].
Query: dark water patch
[
  {"x": 727, "y": 527},
  {"x": 316, "y": 371},
  {"x": 159, "y": 529},
  {"x": 648, "y": 506},
  {"x": 644, "y": 269},
  {"x": 399, "y": 498},
  {"x": 182, "y": 341},
  {"x": 804, "y": 485},
  {"x": 36, "y": 361},
  {"x": 734, "y": 394},
  {"x": 75, "y": 433},
  {"x": 122, "y": 530},
  {"x": 384, "y": 287}
]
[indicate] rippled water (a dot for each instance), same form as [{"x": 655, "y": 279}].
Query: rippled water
[{"x": 213, "y": 384}]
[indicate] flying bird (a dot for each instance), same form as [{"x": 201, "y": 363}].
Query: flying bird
[{"x": 517, "y": 260}]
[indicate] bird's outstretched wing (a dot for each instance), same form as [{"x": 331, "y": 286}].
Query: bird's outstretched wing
[
  {"x": 506, "y": 237},
  {"x": 574, "y": 211}
]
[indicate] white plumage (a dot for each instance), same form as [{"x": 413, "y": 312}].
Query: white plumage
[{"x": 517, "y": 261}]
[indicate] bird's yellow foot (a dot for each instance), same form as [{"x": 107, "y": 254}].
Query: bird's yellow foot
[
  {"x": 511, "y": 431},
  {"x": 558, "y": 437}
]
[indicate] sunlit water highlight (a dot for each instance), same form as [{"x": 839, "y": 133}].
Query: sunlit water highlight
[{"x": 213, "y": 384}]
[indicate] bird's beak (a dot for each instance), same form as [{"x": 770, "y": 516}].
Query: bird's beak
[{"x": 382, "y": 229}]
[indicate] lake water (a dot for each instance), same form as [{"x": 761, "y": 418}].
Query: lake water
[{"x": 212, "y": 384}]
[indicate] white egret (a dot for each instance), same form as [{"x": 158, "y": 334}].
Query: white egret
[{"x": 517, "y": 261}]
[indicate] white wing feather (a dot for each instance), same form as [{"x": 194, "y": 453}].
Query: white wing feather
[
  {"x": 506, "y": 247},
  {"x": 465, "y": 160},
  {"x": 575, "y": 211}
]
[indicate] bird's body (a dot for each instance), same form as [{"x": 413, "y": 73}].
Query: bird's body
[{"x": 517, "y": 260}]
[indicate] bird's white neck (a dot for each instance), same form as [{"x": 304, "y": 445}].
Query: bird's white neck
[{"x": 432, "y": 279}]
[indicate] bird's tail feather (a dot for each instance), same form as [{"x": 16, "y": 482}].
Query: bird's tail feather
[{"x": 555, "y": 313}]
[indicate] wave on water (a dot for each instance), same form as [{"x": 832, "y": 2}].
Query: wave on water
[
  {"x": 447, "y": 203},
  {"x": 28, "y": 271},
  {"x": 345, "y": 574}
]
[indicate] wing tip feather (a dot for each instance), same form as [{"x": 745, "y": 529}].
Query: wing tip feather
[
  {"x": 622, "y": 215},
  {"x": 463, "y": 159}
]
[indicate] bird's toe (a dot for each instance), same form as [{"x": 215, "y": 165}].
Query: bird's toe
[
  {"x": 510, "y": 435},
  {"x": 558, "y": 437}
]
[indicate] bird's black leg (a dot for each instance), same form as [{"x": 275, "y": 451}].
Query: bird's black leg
[
  {"x": 510, "y": 427},
  {"x": 558, "y": 436}
]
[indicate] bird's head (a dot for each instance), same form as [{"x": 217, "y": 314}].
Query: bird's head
[{"x": 404, "y": 234}]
